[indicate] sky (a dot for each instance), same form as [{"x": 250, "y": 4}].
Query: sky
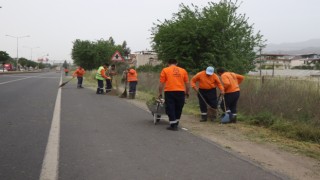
[{"x": 54, "y": 24}]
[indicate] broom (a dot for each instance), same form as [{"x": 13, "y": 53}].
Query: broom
[
  {"x": 61, "y": 85},
  {"x": 226, "y": 117},
  {"x": 124, "y": 94}
]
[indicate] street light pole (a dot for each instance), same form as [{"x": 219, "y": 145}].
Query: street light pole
[
  {"x": 31, "y": 49},
  {"x": 17, "y": 37}
]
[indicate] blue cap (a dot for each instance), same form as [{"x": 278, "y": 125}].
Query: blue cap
[{"x": 210, "y": 70}]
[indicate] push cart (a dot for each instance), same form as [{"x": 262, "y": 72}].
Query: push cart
[{"x": 157, "y": 109}]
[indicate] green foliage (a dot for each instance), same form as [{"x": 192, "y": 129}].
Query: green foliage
[
  {"x": 23, "y": 62},
  {"x": 4, "y": 56},
  {"x": 301, "y": 131},
  {"x": 65, "y": 65},
  {"x": 303, "y": 67},
  {"x": 41, "y": 65},
  {"x": 126, "y": 50},
  {"x": 27, "y": 63},
  {"x": 150, "y": 68},
  {"x": 317, "y": 65},
  {"x": 91, "y": 55},
  {"x": 215, "y": 35},
  {"x": 265, "y": 119}
]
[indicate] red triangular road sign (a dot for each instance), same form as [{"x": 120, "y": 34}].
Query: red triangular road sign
[{"x": 117, "y": 57}]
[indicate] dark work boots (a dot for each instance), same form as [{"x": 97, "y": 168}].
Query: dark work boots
[
  {"x": 203, "y": 118},
  {"x": 99, "y": 91},
  {"x": 233, "y": 119}
]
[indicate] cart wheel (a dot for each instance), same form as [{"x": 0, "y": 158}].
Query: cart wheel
[{"x": 158, "y": 118}]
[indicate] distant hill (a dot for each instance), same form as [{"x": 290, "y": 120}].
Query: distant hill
[{"x": 305, "y": 47}]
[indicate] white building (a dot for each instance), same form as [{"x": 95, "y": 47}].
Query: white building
[{"x": 140, "y": 58}]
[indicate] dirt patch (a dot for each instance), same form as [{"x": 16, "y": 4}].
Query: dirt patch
[{"x": 269, "y": 155}]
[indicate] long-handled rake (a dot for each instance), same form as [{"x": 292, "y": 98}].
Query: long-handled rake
[
  {"x": 61, "y": 85},
  {"x": 212, "y": 112}
]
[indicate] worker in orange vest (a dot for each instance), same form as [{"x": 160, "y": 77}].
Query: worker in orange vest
[
  {"x": 66, "y": 71},
  {"x": 79, "y": 74},
  {"x": 132, "y": 78},
  {"x": 231, "y": 83},
  {"x": 207, "y": 93},
  {"x": 175, "y": 82}
]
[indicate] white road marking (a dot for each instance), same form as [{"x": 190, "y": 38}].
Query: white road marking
[
  {"x": 39, "y": 76},
  {"x": 25, "y": 77},
  {"x": 50, "y": 169},
  {"x": 184, "y": 129},
  {"x": 14, "y": 80}
]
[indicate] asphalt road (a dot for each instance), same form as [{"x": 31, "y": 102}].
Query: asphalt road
[
  {"x": 99, "y": 137},
  {"x": 26, "y": 109}
]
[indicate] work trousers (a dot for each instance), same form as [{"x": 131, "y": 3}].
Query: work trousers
[
  {"x": 133, "y": 87},
  {"x": 100, "y": 87},
  {"x": 80, "y": 79},
  {"x": 210, "y": 96},
  {"x": 231, "y": 100},
  {"x": 108, "y": 85},
  {"x": 174, "y": 101}
]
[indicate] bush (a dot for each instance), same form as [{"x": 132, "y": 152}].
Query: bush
[
  {"x": 303, "y": 67},
  {"x": 150, "y": 68},
  {"x": 265, "y": 119}
]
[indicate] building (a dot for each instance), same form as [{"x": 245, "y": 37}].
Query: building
[
  {"x": 308, "y": 59},
  {"x": 276, "y": 61},
  {"x": 286, "y": 61},
  {"x": 140, "y": 58}
]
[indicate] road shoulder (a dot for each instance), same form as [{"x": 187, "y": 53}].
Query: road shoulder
[{"x": 269, "y": 155}]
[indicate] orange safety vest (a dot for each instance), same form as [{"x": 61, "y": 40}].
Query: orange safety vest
[
  {"x": 79, "y": 72},
  {"x": 231, "y": 81},
  {"x": 132, "y": 75},
  {"x": 206, "y": 82},
  {"x": 174, "y": 78}
]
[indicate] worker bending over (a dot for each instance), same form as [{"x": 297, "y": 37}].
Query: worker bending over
[
  {"x": 207, "y": 93},
  {"x": 231, "y": 83},
  {"x": 100, "y": 76}
]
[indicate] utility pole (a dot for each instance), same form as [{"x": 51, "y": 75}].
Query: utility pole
[
  {"x": 260, "y": 49},
  {"x": 17, "y": 37}
]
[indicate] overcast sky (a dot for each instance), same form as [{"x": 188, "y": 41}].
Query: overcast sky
[{"x": 54, "y": 24}]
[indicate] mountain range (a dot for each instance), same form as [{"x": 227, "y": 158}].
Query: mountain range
[{"x": 304, "y": 47}]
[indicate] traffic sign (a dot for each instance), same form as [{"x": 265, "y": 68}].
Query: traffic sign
[{"x": 117, "y": 57}]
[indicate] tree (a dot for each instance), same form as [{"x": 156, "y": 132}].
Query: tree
[
  {"x": 41, "y": 65},
  {"x": 111, "y": 41},
  {"x": 126, "y": 50},
  {"x": 65, "y": 64},
  {"x": 91, "y": 55},
  {"x": 214, "y": 35},
  {"x": 4, "y": 56},
  {"x": 23, "y": 62}
]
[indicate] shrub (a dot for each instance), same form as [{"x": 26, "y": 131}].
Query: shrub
[{"x": 265, "y": 119}]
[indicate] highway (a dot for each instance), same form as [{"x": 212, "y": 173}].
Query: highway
[{"x": 67, "y": 133}]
